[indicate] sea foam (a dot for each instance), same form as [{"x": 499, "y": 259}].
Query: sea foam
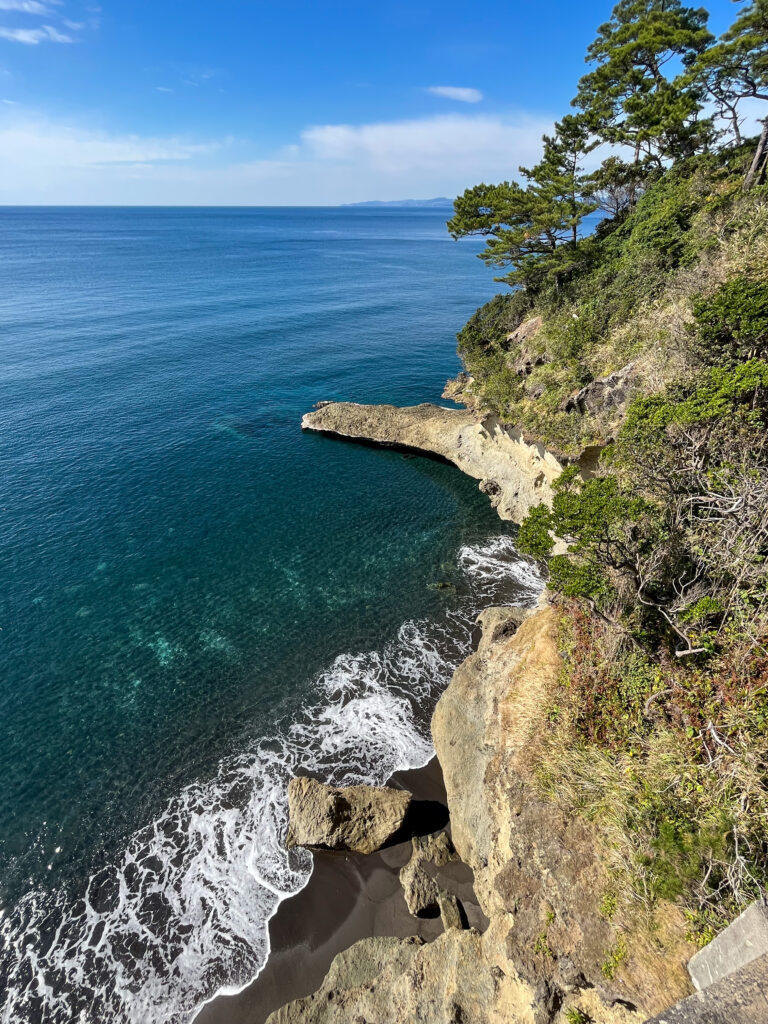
[{"x": 185, "y": 912}]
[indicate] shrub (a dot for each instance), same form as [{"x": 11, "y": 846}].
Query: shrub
[
  {"x": 486, "y": 330},
  {"x": 732, "y": 325}
]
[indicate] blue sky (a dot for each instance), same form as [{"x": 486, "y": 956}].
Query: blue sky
[{"x": 281, "y": 102}]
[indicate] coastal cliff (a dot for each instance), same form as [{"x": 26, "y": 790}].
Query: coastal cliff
[
  {"x": 515, "y": 474},
  {"x": 538, "y": 873},
  {"x": 604, "y": 757}
]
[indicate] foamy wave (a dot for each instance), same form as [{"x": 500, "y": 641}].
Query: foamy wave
[
  {"x": 186, "y": 910},
  {"x": 496, "y": 564}
]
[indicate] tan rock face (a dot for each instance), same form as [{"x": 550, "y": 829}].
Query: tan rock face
[
  {"x": 524, "y": 355},
  {"x": 421, "y": 891},
  {"x": 359, "y": 818},
  {"x": 383, "y": 981},
  {"x": 514, "y": 474},
  {"x": 459, "y": 390},
  {"x": 457, "y": 979},
  {"x": 539, "y": 872}
]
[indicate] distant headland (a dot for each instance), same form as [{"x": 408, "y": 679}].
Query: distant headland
[{"x": 440, "y": 203}]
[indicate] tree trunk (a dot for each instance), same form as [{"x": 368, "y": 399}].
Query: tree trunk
[{"x": 756, "y": 173}]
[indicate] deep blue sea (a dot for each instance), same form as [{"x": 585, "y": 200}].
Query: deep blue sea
[{"x": 197, "y": 598}]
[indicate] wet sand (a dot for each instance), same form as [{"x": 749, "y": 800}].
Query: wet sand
[{"x": 349, "y": 897}]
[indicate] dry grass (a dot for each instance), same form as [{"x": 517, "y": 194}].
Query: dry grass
[{"x": 682, "y": 813}]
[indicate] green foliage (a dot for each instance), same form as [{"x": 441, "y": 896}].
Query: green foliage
[
  {"x": 615, "y": 958},
  {"x": 736, "y": 67},
  {"x": 732, "y": 325},
  {"x": 535, "y": 535},
  {"x": 715, "y": 394},
  {"x": 616, "y": 185},
  {"x": 606, "y": 528},
  {"x": 608, "y": 905},
  {"x": 663, "y": 220},
  {"x": 628, "y": 98},
  {"x": 527, "y": 226},
  {"x": 542, "y": 947},
  {"x": 574, "y": 1015},
  {"x": 487, "y": 328},
  {"x": 680, "y": 849}
]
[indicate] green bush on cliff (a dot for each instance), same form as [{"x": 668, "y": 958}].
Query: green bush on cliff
[
  {"x": 603, "y": 313},
  {"x": 486, "y": 330},
  {"x": 732, "y": 325},
  {"x": 661, "y": 535},
  {"x": 658, "y": 725},
  {"x": 661, "y": 735}
]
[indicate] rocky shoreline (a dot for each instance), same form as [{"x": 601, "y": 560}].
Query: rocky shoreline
[
  {"x": 524, "y": 941},
  {"x": 536, "y": 876}
]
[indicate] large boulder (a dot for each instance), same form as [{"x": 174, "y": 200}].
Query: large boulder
[{"x": 358, "y": 818}]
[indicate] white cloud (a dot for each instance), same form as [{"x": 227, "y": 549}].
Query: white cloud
[
  {"x": 454, "y": 92},
  {"x": 48, "y": 162},
  {"x": 40, "y": 147},
  {"x": 25, "y": 6},
  {"x": 461, "y": 142},
  {"x": 33, "y": 36}
]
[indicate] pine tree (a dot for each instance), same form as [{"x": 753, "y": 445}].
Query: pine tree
[
  {"x": 636, "y": 95},
  {"x": 735, "y": 69},
  {"x": 616, "y": 185},
  {"x": 528, "y": 225}
]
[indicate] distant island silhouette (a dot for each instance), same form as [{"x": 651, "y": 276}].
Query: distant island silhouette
[{"x": 440, "y": 203}]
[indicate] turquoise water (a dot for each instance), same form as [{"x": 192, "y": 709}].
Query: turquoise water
[{"x": 198, "y": 598}]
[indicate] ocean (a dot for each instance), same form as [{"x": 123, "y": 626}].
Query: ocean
[{"x": 198, "y": 599}]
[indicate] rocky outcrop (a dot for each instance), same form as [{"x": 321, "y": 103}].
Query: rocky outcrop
[
  {"x": 606, "y": 397},
  {"x": 459, "y": 390},
  {"x": 419, "y": 887},
  {"x": 359, "y": 818},
  {"x": 538, "y": 876},
  {"x": 524, "y": 356},
  {"x": 422, "y": 893},
  {"x": 539, "y": 871},
  {"x": 456, "y": 979},
  {"x": 515, "y": 474}
]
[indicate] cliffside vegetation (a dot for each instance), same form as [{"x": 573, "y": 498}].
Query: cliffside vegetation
[{"x": 658, "y": 730}]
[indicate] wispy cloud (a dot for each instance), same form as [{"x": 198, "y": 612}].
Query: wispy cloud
[
  {"x": 455, "y": 92},
  {"x": 46, "y": 146},
  {"x": 163, "y": 88},
  {"x": 50, "y": 162},
  {"x": 25, "y": 7},
  {"x": 33, "y": 36},
  {"x": 456, "y": 141},
  {"x": 44, "y": 33}
]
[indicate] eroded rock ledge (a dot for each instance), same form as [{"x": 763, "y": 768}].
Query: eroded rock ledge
[{"x": 515, "y": 474}]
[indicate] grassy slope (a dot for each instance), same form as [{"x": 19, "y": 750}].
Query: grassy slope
[
  {"x": 668, "y": 756},
  {"x": 631, "y": 300}
]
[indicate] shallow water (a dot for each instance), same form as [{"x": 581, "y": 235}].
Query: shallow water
[{"x": 197, "y": 598}]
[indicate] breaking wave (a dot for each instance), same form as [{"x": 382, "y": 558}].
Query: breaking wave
[{"x": 184, "y": 912}]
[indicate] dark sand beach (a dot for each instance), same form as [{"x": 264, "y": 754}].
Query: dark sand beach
[{"x": 349, "y": 897}]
